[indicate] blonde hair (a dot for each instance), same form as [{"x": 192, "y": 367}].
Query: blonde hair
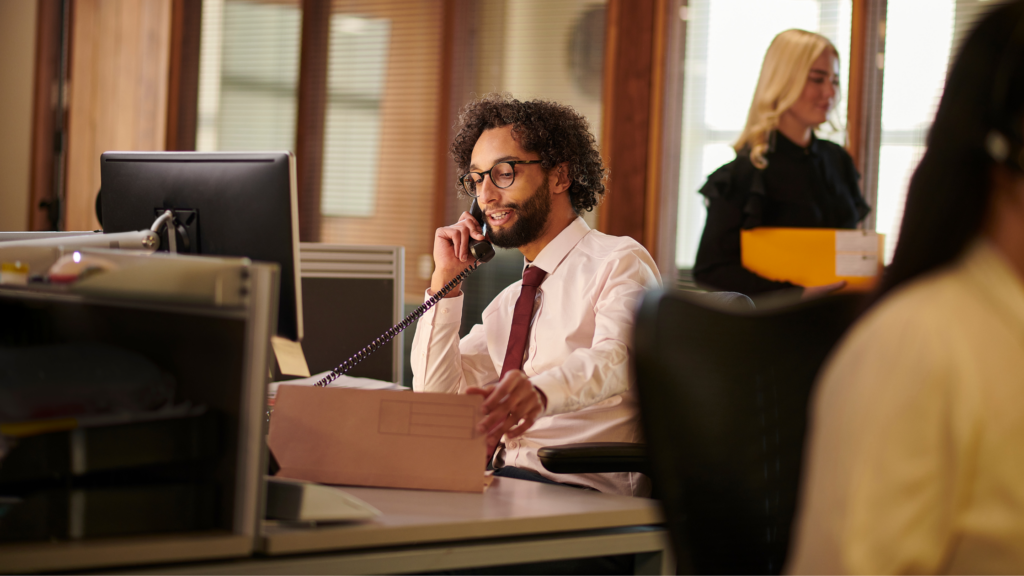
[{"x": 783, "y": 76}]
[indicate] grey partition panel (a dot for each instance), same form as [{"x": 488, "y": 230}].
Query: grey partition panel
[{"x": 350, "y": 296}]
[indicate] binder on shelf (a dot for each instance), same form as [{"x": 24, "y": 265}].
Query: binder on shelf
[
  {"x": 99, "y": 512},
  {"x": 82, "y": 450}
]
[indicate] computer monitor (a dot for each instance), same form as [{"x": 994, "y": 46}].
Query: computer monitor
[{"x": 225, "y": 204}]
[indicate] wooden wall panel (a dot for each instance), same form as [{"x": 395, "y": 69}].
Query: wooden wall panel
[
  {"x": 626, "y": 136},
  {"x": 118, "y": 86}
]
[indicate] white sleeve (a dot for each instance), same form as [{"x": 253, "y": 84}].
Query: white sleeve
[
  {"x": 440, "y": 362},
  {"x": 590, "y": 375}
]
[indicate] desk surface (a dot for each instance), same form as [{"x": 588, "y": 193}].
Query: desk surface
[{"x": 509, "y": 507}]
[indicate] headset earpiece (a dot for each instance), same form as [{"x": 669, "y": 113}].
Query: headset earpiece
[{"x": 997, "y": 145}]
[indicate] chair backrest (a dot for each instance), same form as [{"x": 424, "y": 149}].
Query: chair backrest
[{"x": 723, "y": 397}]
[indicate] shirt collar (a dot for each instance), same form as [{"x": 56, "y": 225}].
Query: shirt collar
[
  {"x": 996, "y": 279},
  {"x": 556, "y": 250},
  {"x": 786, "y": 146}
]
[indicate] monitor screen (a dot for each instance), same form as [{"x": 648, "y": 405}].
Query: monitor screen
[{"x": 225, "y": 204}]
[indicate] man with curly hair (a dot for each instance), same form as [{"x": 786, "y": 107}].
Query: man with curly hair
[{"x": 551, "y": 358}]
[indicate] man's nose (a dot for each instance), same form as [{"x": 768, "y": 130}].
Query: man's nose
[{"x": 486, "y": 191}]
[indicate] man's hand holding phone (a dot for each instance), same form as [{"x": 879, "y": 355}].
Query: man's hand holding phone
[
  {"x": 451, "y": 251},
  {"x": 510, "y": 408}
]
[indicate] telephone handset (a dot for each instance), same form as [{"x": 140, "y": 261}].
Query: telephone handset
[{"x": 480, "y": 249}]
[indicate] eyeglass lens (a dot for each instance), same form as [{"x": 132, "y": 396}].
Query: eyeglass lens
[{"x": 502, "y": 175}]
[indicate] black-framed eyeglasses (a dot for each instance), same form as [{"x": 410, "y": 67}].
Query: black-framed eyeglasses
[{"x": 503, "y": 175}]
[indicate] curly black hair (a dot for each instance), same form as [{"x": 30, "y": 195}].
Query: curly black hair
[{"x": 554, "y": 131}]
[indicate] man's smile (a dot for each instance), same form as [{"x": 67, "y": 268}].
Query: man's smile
[{"x": 499, "y": 216}]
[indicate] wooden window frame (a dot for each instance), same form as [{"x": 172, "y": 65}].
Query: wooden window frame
[
  {"x": 864, "y": 107},
  {"x": 49, "y": 118},
  {"x": 183, "y": 75},
  {"x": 642, "y": 123},
  {"x": 311, "y": 117}
]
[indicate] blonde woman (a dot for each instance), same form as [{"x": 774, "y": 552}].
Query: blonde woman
[{"x": 783, "y": 175}]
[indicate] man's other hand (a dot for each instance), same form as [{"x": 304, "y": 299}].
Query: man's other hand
[{"x": 510, "y": 408}]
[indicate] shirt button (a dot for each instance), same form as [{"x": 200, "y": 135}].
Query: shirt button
[{"x": 513, "y": 445}]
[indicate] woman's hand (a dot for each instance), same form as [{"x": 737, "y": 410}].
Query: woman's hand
[{"x": 816, "y": 291}]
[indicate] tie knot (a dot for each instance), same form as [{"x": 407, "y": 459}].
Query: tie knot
[{"x": 533, "y": 276}]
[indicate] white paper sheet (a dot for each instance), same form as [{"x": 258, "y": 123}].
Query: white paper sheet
[{"x": 342, "y": 381}]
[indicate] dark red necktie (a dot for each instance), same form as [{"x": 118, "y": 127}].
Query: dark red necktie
[{"x": 532, "y": 277}]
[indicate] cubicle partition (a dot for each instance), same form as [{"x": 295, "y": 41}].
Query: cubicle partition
[
  {"x": 350, "y": 296},
  {"x": 192, "y": 377}
]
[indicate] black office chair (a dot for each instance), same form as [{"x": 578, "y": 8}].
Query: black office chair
[
  {"x": 724, "y": 399},
  {"x": 603, "y": 457}
]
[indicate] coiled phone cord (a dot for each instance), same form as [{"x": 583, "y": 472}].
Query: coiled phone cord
[{"x": 397, "y": 328}]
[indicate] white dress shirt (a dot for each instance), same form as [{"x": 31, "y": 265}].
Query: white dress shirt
[
  {"x": 916, "y": 451},
  {"x": 577, "y": 350}
]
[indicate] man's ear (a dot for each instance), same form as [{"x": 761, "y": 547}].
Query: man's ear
[{"x": 562, "y": 182}]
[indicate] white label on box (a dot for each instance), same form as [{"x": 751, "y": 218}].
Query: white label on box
[
  {"x": 857, "y": 241},
  {"x": 851, "y": 264},
  {"x": 856, "y": 253}
]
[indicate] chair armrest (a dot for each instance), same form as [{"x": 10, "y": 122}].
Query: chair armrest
[{"x": 594, "y": 458}]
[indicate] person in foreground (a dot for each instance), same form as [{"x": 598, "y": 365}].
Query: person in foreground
[
  {"x": 783, "y": 175},
  {"x": 557, "y": 373},
  {"x": 915, "y": 461}
]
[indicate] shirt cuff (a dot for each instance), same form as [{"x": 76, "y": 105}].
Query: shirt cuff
[
  {"x": 447, "y": 311},
  {"x": 551, "y": 386}
]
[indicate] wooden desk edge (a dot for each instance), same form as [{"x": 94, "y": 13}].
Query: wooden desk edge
[
  {"x": 112, "y": 552},
  {"x": 329, "y": 538}
]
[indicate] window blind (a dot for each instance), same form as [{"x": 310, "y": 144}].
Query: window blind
[
  {"x": 384, "y": 74},
  {"x": 356, "y": 69},
  {"x": 922, "y": 40},
  {"x": 248, "y": 75}
]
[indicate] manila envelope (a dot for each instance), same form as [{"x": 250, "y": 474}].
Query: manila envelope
[
  {"x": 383, "y": 438},
  {"x": 814, "y": 256}
]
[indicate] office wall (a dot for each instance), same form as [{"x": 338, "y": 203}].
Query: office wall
[
  {"x": 120, "y": 51},
  {"x": 17, "y": 59},
  {"x": 528, "y": 48}
]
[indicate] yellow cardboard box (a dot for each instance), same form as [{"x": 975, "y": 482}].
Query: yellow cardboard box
[{"x": 814, "y": 256}]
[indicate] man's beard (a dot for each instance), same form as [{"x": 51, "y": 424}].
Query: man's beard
[{"x": 531, "y": 216}]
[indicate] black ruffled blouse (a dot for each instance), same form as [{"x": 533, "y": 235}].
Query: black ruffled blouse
[{"x": 813, "y": 187}]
